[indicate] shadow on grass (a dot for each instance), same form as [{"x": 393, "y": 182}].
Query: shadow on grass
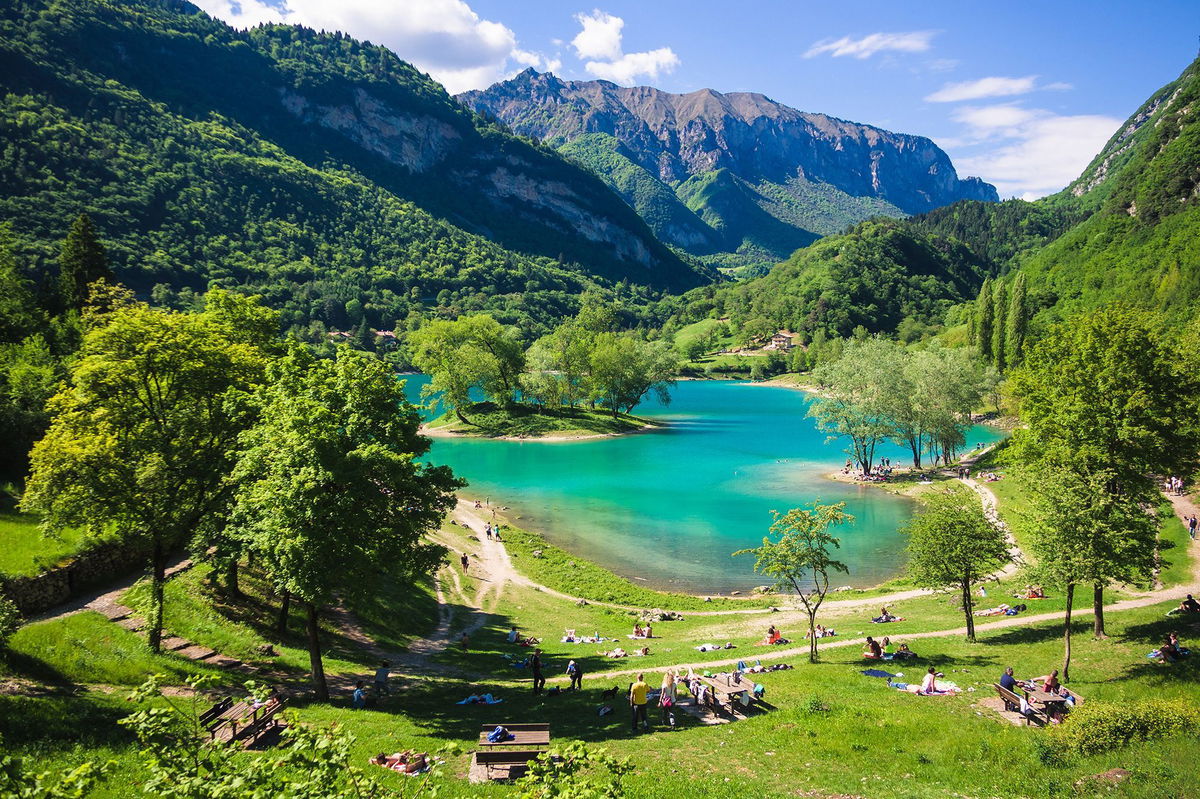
[
  {"x": 61, "y": 722},
  {"x": 1151, "y": 635}
]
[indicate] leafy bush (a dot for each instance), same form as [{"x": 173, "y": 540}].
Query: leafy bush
[
  {"x": 1104, "y": 726},
  {"x": 9, "y": 619}
]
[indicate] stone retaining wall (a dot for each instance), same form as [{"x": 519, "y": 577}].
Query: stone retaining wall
[{"x": 62, "y": 583}]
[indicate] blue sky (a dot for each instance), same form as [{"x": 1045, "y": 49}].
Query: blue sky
[{"x": 1020, "y": 94}]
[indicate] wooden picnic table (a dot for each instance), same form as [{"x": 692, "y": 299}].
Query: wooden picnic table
[
  {"x": 227, "y": 721},
  {"x": 725, "y": 689},
  {"x": 523, "y": 735},
  {"x": 1041, "y": 697}
]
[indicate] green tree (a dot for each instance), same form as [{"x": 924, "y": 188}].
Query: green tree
[
  {"x": 853, "y": 402},
  {"x": 574, "y": 772},
  {"x": 331, "y": 488},
  {"x": 559, "y": 363},
  {"x": 81, "y": 262},
  {"x": 1018, "y": 321},
  {"x": 19, "y": 782},
  {"x": 800, "y": 558},
  {"x": 953, "y": 544},
  {"x": 141, "y": 437},
  {"x": 623, "y": 369},
  {"x": 29, "y": 376},
  {"x": 985, "y": 315},
  {"x": 19, "y": 312},
  {"x": 1107, "y": 393},
  {"x": 469, "y": 352},
  {"x": 1082, "y": 534},
  {"x": 999, "y": 326}
]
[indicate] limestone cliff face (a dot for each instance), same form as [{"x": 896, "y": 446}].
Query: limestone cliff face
[
  {"x": 489, "y": 182},
  {"x": 675, "y": 136}
]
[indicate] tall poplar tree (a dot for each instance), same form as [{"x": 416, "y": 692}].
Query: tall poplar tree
[
  {"x": 1018, "y": 321},
  {"x": 999, "y": 328},
  {"x": 985, "y": 313}
]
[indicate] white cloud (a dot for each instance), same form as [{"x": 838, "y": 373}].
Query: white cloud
[
  {"x": 1026, "y": 152},
  {"x": 984, "y": 87},
  {"x": 445, "y": 38},
  {"x": 599, "y": 45},
  {"x": 869, "y": 45},
  {"x": 628, "y": 67},
  {"x": 600, "y": 38}
]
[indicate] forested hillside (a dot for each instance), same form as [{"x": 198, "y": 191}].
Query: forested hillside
[
  {"x": 322, "y": 172},
  {"x": 1128, "y": 230}
]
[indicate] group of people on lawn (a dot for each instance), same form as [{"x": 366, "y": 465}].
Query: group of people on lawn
[{"x": 1048, "y": 684}]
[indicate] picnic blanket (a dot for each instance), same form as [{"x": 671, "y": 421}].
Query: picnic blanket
[
  {"x": 944, "y": 688},
  {"x": 886, "y": 619},
  {"x": 880, "y": 673},
  {"x": 480, "y": 699}
]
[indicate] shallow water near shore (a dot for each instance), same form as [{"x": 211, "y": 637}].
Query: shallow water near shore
[{"x": 667, "y": 507}]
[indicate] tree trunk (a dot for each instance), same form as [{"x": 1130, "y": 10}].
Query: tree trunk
[
  {"x": 284, "y": 607},
  {"x": 460, "y": 416},
  {"x": 158, "y": 579},
  {"x": 314, "y": 654},
  {"x": 968, "y": 606},
  {"x": 232, "y": 588},
  {"x": 1098, "y": 610},
  {"x": 1066, "y": 669},
  {"x": 812, "y": 636}
]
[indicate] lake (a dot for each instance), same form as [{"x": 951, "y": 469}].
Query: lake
[{"x": 667, "y": 507}]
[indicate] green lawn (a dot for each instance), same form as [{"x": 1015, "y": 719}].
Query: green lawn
[
  {"x": 530, "y": 421},
  {"x": 24, "y": 551},
  {"x": 1174, "y": 548},
  {"x": 558, "y": 569},
  {"x": 390, "y": 614},
  {"x": 86, "y": 648},
  {"x": 833, "y": 731}
]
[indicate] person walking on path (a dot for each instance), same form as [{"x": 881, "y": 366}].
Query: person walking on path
[
  {"x": 666, "y": 699},
  {"x": 576, "y": 675},
  {"x": 638, "y": 693},
  {"x": 381, "y": 679},
  {"x": 1192, "y": 524},
  {"x": 535, "y": 666}
]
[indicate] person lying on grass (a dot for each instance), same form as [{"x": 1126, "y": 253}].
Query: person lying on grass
[
  {"x": 407, "y": 762},
  {"x": 613, "y": 653}
]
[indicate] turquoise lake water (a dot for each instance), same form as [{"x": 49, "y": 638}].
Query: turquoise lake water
[{"x": 667, "y": 507}]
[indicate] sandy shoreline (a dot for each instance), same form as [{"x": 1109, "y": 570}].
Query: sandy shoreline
[{"x": 438, "y": 432}]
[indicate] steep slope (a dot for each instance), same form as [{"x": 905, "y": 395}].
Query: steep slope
[
  {"x": 1128, "y": 230},
  {"x": 814, "y": 173},
  {"x": 311, "y": 167}
]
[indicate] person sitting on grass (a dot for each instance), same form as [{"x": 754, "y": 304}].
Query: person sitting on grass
[
  {"x": 873, "y": 650},
  {"x": 1168, "y": 652},
  {"x": 513, "y": 635},
  {"x": 1189, "y": 605},
  {"x": 904, "y": 653},
  {"x": 772, "y": 636},
  {"x": 407, "y": 762},
  {"x": 929, "y": 686},
  {"x": 637, "y": 631},
  {"x": 886, "y": 648}
]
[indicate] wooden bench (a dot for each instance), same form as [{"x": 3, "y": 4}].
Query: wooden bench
[
  {"x": 215, "y": 712},
  {"x": 243, "y": 721},
  {"x": 505, "y": 764},
  {"x": 527, "y": 735},
  {"x": 1011, "y": 700}
]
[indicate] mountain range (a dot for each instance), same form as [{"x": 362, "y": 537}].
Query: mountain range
[
  {"x": 1127, "y": 230},
  {"x": 736, "y": 179}
]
